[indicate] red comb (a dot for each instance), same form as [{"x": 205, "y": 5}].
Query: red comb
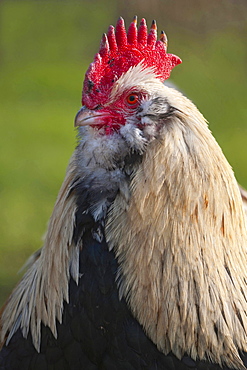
[{"x": 118, "y": 52}]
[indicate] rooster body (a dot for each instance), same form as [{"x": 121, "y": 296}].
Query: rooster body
[{"x": 143, "y": 265}]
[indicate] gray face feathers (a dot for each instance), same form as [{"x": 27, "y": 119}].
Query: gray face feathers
[{"x": 157, "y": 110}]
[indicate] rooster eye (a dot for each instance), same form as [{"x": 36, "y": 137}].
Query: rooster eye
[{"x": 132, "y": 99}]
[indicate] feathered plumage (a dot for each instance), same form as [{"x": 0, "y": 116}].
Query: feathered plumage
[{"x": 144, "y": 261}]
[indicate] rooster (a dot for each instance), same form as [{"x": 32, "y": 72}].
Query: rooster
[{"x": 144, "y": 261}]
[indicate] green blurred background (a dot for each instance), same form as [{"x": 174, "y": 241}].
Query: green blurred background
[{"x": 45, "y": 48}]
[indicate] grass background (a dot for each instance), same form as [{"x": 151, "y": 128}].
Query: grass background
[{"x": 45, "y": 49}]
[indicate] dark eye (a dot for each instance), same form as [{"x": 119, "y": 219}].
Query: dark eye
[{"x": 132, "y": 99}]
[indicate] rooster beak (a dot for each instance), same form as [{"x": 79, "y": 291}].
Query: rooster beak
[
  {"x": 84, "y": 117},
  {"x": 87, "y": 117}
]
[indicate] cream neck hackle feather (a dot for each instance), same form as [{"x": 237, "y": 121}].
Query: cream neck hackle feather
[
  {"x": 40, "y": 294},
  {"x": 181, "y": 243}
]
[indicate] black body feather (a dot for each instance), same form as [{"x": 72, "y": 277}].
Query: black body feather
[{"x": 98, "y": 331}]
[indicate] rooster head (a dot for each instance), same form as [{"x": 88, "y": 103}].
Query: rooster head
[{"x": 115, "y": 86}]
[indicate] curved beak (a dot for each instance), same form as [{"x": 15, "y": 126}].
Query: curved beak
[{"x": 86, "y": 117}]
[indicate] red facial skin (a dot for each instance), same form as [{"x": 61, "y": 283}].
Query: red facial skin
[{"x": 113, "y": 117}]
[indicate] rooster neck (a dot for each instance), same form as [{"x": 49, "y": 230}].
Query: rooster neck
[
  {"x": 104, "y": 167},
  {"x": 174, "y": 218},
  {"x": 181, "y": 245}
]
